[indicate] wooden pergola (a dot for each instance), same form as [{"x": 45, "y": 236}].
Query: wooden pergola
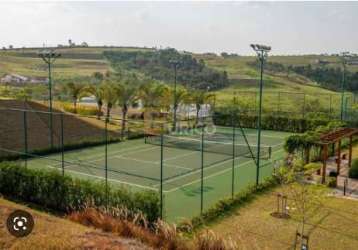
[{"x": 335, "y": 138}]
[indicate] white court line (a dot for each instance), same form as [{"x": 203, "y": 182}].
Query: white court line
[
  {"x": 94, "y": 156},
  {"x": 151, "y": 162},
  {"x": 268, "y": 136},
  {"x": 114, "y": 156},
  {"x": 209, "y": 176},
  {"x": 215, "y": 165},
  {"x": 178, "y": 156},
  {"x": 114, "y": 180}
]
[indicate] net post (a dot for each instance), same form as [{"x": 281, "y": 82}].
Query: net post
[
  {"x": 25, "y": 136},
  {"x": 233, "y": 157},
  {"x": 202, "y": 172},
  {"x": 62, "y": 147},
  {"x": 161, "y": 171},
  {"x": 106, "y": 158}
]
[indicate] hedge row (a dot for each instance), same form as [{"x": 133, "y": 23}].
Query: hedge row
[
  {"x": 289, "y": 124},
  {"x": 64, "y": 194},
  {"x": 56, "y": 149}
]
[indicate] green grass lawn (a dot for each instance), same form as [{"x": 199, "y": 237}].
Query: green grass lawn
[{"x": 333, "y": 225}]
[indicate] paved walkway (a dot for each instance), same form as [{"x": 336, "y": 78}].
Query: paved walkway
[{"x": 351, "y": 184}]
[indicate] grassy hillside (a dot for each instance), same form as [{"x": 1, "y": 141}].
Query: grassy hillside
[
  {"x": 73, "y": 61},
  {"x": 52, "y": 232},
  {"x": 85, "y": 61},
  {"x": 244, "y": 77}
]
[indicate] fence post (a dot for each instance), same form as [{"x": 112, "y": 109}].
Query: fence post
[
  {"x": 233, "y": 158},
  {"x": 161, "y": 172},
  {"x": 106, "y": 159},
  {"x": 25, "y": 137},
  {"x": 62, "y": 147},
  {"x": 202, "y": 172}
]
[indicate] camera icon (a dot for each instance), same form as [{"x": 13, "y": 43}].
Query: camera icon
[{"x": 20, "y": 223}]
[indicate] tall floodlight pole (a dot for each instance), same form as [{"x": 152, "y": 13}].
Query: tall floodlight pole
[
  {"x": 262, "y": 53},
  {"x": 49, "y": 57},
  {"x": 175, "y": 64}
]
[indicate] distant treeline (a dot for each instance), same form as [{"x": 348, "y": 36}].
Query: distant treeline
[
  {"x": 326, "y": 77},
  {"x": 157, "y": 64}
]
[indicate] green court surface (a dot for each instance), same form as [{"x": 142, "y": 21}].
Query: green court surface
[{"x": 137, "y": 165}]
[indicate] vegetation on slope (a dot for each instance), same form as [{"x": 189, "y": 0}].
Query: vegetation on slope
[
  {"x": 51, "y": 232},
  {"x": 158, "y": 65}
]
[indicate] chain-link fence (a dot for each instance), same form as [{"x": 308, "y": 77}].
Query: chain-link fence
[
  {"x": 190, "y": 169},
  {"x": 298, "y": 104}
]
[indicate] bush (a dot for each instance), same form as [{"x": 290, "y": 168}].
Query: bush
[
  {"x": 353, "y": 171},
  {"x": 82, "y": 110},
  {"x": 332, "y": 182},
  {"x": 280, "y": 123},
  {"x": 63, "y": 193}
]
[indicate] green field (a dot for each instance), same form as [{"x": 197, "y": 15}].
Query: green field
[
  {"x": 243, "y": 77},
  {"x": 137, "y": 165}
]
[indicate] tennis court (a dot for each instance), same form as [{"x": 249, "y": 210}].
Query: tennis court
[{"x": 137, "y": 164}]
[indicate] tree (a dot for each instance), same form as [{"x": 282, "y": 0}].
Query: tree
[
  {"x": 110, "y": 96},
  {"x": 97, "y": 77},
  {"x": 200, "y": 97},
  {"x": 152, "y": 95},
  {"x": 97, "y": 91},
  {"x": 75, "y": 90},
  {"x": 305, "y": 199},
  {"x": 127, "y": 94},
  {"x": 179, "y": 98}
]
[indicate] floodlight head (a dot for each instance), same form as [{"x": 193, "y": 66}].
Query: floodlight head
[
  {"x": 48, "y": 53},
  {"x": 174, "y": 62},
  {"x": 259, "y": 47}
]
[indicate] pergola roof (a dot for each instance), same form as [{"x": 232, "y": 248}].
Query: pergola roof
[{"x": 334, "y": 136}]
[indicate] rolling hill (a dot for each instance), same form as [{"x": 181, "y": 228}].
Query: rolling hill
[{"x": 85, "y": 61}]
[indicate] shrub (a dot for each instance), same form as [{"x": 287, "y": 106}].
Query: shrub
[
  {"x": 332, "y": 182},
  {"x": 281, "y": 123},
  {"x": 81, "y": 109},
  {"x": 160, "y": 235},
  {"x": 353, "y": 171},
  {"x": 63, "y": 193},
  {"x": 208, "y": 240}
]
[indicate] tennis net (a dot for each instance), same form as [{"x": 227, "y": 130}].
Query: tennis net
[{"x": 225, "y": 148}]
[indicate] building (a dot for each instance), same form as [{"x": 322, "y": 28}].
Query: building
[{"x": 19, "y": 80}]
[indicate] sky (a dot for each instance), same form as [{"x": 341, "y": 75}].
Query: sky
[{"x": 288, "y": 27}]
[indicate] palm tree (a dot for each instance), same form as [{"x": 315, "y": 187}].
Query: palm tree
[
  {"x": 97, "y": 91},
  {"x": 127, "y": 94},
  {"x": 181, "y": 95},
  {"x": 152, "y": 95},
  {"x": 109, "y": 95},
  {"x": 75, "y": 90},
  {"x": 200, "y": 97}
]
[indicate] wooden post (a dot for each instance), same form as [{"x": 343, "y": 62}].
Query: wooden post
[
  {"x": 350, "y": 151},
  {"x": 307, "y": 155},
  {"x": 325, "y": 156},
  {"x": 339, "y": 157}
]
